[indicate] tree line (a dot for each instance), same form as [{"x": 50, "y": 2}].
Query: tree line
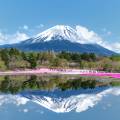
[
  {"x": 11, "y": 59},
  {"x": 16, "y": 84}
]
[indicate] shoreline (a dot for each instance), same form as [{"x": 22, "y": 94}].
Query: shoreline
[{"x": 60, "y": 72}]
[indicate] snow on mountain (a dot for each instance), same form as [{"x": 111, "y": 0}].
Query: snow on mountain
[
  {"x": 61, "y": 32},
  {"x": 61, "y": 102},
  {"x": 58, "y": 32},
  {"x": 64, "y": 38}
]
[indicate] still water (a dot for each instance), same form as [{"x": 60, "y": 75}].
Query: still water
[{"x": 59, "y": 97}]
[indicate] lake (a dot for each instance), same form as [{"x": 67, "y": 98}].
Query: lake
[{"x": 59, "y": 97}]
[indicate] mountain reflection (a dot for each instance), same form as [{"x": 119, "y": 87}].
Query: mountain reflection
[
  {"x": 65, "y": 101},
  {"x": 57, "y": 93}
]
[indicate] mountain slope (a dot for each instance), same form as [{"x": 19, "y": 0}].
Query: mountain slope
[
  {"x": 58, "y": 32},
  {"x": 59, "y": 38},
  {"x": 60, "y": 102}
]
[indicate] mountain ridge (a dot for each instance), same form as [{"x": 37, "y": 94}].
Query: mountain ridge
[{"x": 59, "y": 38}]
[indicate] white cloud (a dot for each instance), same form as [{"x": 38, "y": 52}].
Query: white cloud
[
  {"x": 18, "y": 36},
  {"x": 25, "y": 110},
  {"x": 12, "y": 38},
  {"x": 2, "y": 38},
  {"x": 24, "y": 27},
  {"x": 18, "y": 100},
  {"x": 112, "y": 46},
  {"x": 15, "y": 99},
  {"x": 88, "y": 36},
  {"x": 40, "y": 26},
  {"x": 106, "y": 32}
]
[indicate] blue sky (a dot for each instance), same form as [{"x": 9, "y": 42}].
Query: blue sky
[{"x": 33, "y": 16}]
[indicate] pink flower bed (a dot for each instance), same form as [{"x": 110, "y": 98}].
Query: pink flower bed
[
  {"x": 60, "y": 71},
  {"x": 113, "y": 75}
]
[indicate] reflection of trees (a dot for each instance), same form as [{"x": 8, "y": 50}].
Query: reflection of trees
[
  {"x": 115, "y": 83},
  {"x": 12, "y": 84},
  {"x": 8, "y": 85},
  {"x": 77, "y": 84},
  {"x": 30, "y": 83},
  {"x": 5, "y": 84}
]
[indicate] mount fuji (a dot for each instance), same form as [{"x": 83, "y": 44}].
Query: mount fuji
[
  {"x": 60, "y": 38},
  {"x": 65, "y": 101}
]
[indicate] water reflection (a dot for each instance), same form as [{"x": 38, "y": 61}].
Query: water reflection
[
  {"x": 58, "y": 101},
  {"x": 57, "y": 93},
  {"x": 15, "y": 84}
]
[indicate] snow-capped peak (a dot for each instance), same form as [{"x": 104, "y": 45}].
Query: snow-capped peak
[
  {"x": 79, "y": 34},
  {"x": 58, "y": 32},
  {"x": 79, "y": 101}
]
